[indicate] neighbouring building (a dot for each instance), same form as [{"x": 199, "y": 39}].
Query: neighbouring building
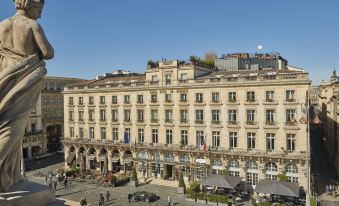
[
  {"x": 181, "y": 118},
  {"x": 245, "y": 61},
  {"x": 329, "y": 105},
  {"x": 44, "y": 127}
]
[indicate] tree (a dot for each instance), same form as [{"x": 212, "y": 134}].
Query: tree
[
  {"x": 209, "y": 58},
  {"x": 134, "y": 175},
  {"x": 282, "y": 177},
  {"x": 224, "y": 172},
  {"x": 181, "y": 181}
]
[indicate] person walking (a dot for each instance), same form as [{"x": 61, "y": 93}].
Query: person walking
[
  {"x": 55, "y": 184},
  {"x": 107, "y": 195},
  {"x": 65, "y": 182},
  {"x": 46, "y": 179},
  {"x": 83, "y": 202},
  {"x": 169, "y": 200},
  {"x": 129, "y": 196}
]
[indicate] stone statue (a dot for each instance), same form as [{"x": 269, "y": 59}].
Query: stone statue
[{"x": 23, "y": 46}]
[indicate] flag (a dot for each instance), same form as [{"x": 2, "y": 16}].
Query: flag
[
  {"x": 126, "y": 137},
  {"x": 205, "y": 149}
]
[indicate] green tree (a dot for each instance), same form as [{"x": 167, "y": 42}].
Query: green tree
[
  {"x": 282, "y": 177},
  {"x": 224, "y": 172}
]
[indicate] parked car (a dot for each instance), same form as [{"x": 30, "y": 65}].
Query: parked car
[{"x": 144, "y": 196}]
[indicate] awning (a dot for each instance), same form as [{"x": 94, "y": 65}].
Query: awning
[
  {"x": 70, "y": 158},
  {"x": 221, "y": 181},
  {"x": 284, "y": 188}
]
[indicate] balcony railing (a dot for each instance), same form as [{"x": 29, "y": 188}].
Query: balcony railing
[
  {"x": 270, "y": 123},
  {"x": 154, "y": 82},
  {"x": 199, "y": 121},
  {"x": 183, "y": 120},
  {"x": 291, "y": 123},
  {"x": 154, "y": 120},
  {"x": 140, "y": 121},
  {"x": 215, "y": 122},
  {"x": 251, "y": 122},
  {"x": 233, "y": 122},
  {"x": 169, "y": 120}
]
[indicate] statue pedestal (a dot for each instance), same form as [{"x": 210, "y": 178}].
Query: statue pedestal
[{"x": 27, "y": 193}]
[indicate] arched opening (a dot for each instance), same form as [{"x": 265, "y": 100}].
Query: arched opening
[
  {"x": 234, "y": 168},
  {"x": 252, "y": 173},
  {"x": 81, "y": 159},
  {"x": 271, "y": 171},
  {"x": 115, "y": 161},
  {"x": 103, "y": 161},
  {"x": 292, "y": 174},
  {"x": 71, "y": 157},
  {"x": 92, "y": 159},
  {"x": 217, "y": 167},
  {"x": 128, "y": 161},
  {"x": 169, "y": 172}
]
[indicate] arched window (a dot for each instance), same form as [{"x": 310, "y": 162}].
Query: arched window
[
  {"x": 185, "y": 159},
  {"x": 156, "y": 156},
  {"x": 217, "y": 167},
  {"x": 252, "y": 173},
  {"x": 271, "y": 171},
  {"x": 292, "y": 172},
  {"x": 142, "y": 155},
  {"x": 233, "y": 168},
  {"x": 170, "y": 157}
]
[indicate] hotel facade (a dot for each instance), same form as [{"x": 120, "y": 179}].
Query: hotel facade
[{"x": 181, "y": 118}]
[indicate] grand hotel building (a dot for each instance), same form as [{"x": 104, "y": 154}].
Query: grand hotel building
[{"x": 253, "y": 123}]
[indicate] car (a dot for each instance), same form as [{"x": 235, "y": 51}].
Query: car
[{"x": 144, "y": 196}]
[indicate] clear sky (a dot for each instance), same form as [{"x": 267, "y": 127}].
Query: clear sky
[{"x": 94, "y": 37}]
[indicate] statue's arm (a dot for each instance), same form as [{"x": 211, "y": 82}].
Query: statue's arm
[{"x": 46, "y": 49}]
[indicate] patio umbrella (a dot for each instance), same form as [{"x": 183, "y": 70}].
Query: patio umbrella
[
  {"x": 283, "y": 188},
  {"x": 228, "y": 182}
]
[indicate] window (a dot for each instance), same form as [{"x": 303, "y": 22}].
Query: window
[
  {"x": 126, "y": 99},
  {"x": 70, "y": 101},
  {"x": 290, "y": 142},
  {"x": 127, "y": 135},
  {"x": 168, "y": 79},
  {"x": 183, "y": 116},
  {"x": 183, "y": 97},
  {"x": 114, "y": 115},
  {"x": 154, "y": 115},
  {"x": 234, "y": 168},
  {"x": 114, "y": 100},
  {"x": 102, "y": 115},
  {"x": 215, "y": 97},
  {"x": 141, "y": 137},
  {"x": 270, "y": 116},
  {"x": 168, "y": 98},
  {"x": 232, "y": 96},
  {"x": 269, "y": 96},
  {"x": 140, "y": 115},
  {"x": 185, "y": 159},
  {"x": 250, "y": 116},
  {"x": 200, "y": 140},
  {"x": 102, "y": 100},
  {"x": 215, "y": 116},
  {"x": 251, "y": 140},
  {"x": 169, "y": 136},
  {"x": 71, "y": 131},
  {"x": 154, "y": 98},
  {"x": 216, "y": 138},
  {"x": 140, "y": 99},
  {"x": 250, "y": 96},
  {"x": 184, "y": 137},
  {"x": 91, "y": 100},
  {"x": 233, "y": 139},
  {"x": 271, "y": 171},
  {"x": 81, "y": 100},
  {"x": 199, "y": 97},
  {"x": 91, "y": 115},
  {"x": 199, "y": 116},
  {"x": 183, "y": 76},
  {"x": 81, "y": 115},
  {"x": 127, "y": 115},
  {"x": 270, "y": 141},
  {"x": 290, "y": 116},
  {"x": 91, "y": 132},
  {"x": 115, "y": 134},
  {"x": 252, "y": 173},
  {"x": 290, "y": 95},
  {"x": 103, "y": 132},
  {"x": 81, "y": 133},
  {"x": 292, "y": 173},
  {"x": 33, "y": 127},
  {"x": 154, "y": 78},
  {"x": 71, "y": 115},
  {"x": 154, "y": 135},
  {"x": 232, "y": 116},
  {"x": 168, "y": 115}
]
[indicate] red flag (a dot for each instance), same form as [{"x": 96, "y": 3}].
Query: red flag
[{"x": 205, "y": 149}]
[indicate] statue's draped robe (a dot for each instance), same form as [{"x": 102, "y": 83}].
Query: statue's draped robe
[{"x": 20, "y": 85}]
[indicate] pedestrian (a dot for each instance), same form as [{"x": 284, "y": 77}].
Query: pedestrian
[
  {"x": 129, "y": 196},
  {"x": 83, "y": 201},
  {"x": 107, "y": 195},
  {"x": 169, "y": 200},
  {"x": 102, "y": 199},
  {"x": 46, "y": 178},
  {"x": 65, "y": 182},
  {"x": 55, "y": 184}
]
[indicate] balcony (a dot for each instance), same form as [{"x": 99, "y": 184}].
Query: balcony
[
  {"x": 233, "y": 122},
  {"x": 291, "y": 101},
  {"x": 251, "y": 123},
  {"x": 154, "y": 120},
  {"x": 168, "y": 120},
  {"x": 127, "y": 121},
  {"x": 183, "y": 120},
  {"x": 154, "y": 83},
  {"x": 183, "y": 81},
  {"x": 291, "y": 123},
  {"x": 215, "y": 122},
  {"x": 140, "y": 121},
  {"x": 199, "y": 121}
]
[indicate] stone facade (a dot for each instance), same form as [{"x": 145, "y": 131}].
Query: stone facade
[
  {"x": 329, "y": 105},
  {"x": 44, "y": 127},
  {"x": 181, "y": 118}
]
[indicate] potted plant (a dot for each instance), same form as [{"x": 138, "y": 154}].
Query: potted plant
[
  {"x": 134, "y": 178},
  {"x": 182, "y": 187}
]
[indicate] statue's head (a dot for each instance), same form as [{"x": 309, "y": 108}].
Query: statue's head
[{"x": 32, "y": 7}]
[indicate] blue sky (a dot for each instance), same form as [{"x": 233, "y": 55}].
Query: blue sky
[{"x": 93, "y": 37}]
